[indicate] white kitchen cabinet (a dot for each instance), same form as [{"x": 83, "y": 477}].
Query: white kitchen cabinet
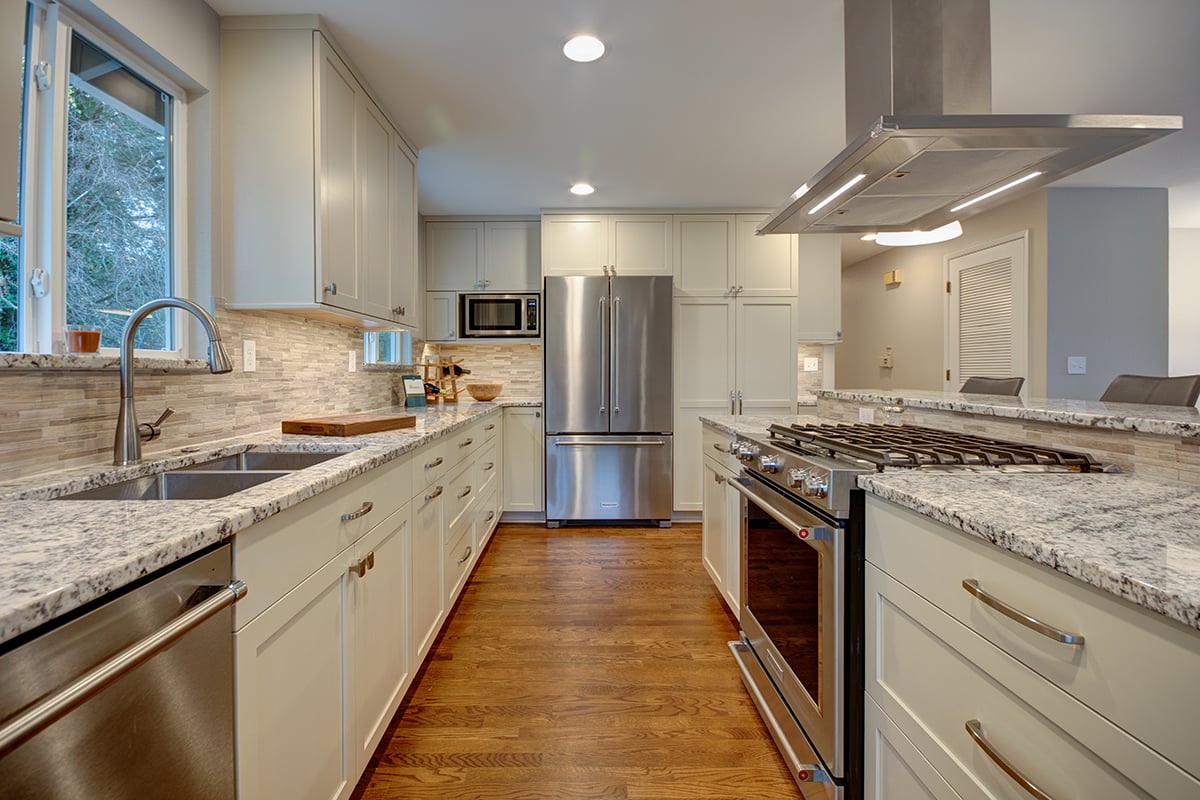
[
  {"x": 971, "y": 674},
  {"x": 441, "y": 316},
  {"x": 732, "y": 356},
  {"x": 291, "y": 677},
  {"x": 819, "y": 292},
  {"x": 721, "y": 527},
  {"x": 427, "y": 607},
  {"x": 483, "y": 255},
  {"x": 893, "y": 768},
  {"x": 405, "y": 277},
  {"x": 718, "y": 255},
  {"x": 523, "y": 452},
  {"x": 310, "y": 169},
  {"x": 604, "y": 244}
]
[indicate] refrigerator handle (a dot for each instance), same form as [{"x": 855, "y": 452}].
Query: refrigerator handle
[
  {"x": 616, "y": 355},
  {"x": 603, "y": 359}
]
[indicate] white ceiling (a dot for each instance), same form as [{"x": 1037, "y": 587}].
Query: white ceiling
[{"x": 711, "y": 103}]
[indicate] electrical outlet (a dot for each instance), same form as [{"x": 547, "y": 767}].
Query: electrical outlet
[
  {"x": 249, "y": 356},
  {"x": 866, "y": 416},
  {"x": 885, "y": 360},
  {"x": 1076, "y": 365},
  {"x": 353, "y": 360},
  {"x": 812, "y": 364}
]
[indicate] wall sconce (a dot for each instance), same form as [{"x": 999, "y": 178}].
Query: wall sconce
[{"x": 892, "y": 278}]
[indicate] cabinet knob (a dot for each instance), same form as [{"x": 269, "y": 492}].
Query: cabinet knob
[
  {"x": 398, "y": 310},
  {"x": 331, "y": 288}
]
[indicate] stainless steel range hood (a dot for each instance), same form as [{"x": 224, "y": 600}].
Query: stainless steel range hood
[{"x": 918, "y": 82}]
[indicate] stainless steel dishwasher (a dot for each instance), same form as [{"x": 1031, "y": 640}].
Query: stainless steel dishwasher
[{"x": 130, "y": 699}]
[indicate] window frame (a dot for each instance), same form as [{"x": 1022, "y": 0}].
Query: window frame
[{"x": 43, "y": 245}]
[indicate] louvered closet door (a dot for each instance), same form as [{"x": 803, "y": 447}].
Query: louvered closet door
[{"x": 987, "y": 315}]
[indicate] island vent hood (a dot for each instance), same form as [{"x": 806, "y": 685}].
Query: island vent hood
[{"x": 937, "y": 154}]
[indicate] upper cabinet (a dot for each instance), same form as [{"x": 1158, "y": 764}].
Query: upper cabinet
[
  {"x": 483, "y": 256},
  {"x": 606, "y": 244},
  {"x": 319, "y": 189}
]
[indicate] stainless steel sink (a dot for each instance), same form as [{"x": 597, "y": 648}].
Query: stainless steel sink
[
  {"x": 260, "y": 460},
  {"x": 178, "y": 486}
]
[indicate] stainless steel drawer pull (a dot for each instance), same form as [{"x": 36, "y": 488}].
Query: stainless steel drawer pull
[
  {"x": 21, "y": 728},
  {"x": 464, "y": 493},
  {"x": 437, "y": 462},
  {"x": 359, "y": 568},
  {"x": 435, "y": 493},
  {"x": 362, "y": 511},
  {"x": 466, "y": 443},
  {"x": 975, "y": 729},
  {"x": 719, "y": 449},
  {"x": 491, "y": 516},
  {"x": 371, "y": 560},
  {"x": 718, "y": 478},
  {"x": 1049, "y": 631},
  {"x": 491, "y": 427},
  {"x": 489, "y": 466},
  {"x": 465, "y": 555}
]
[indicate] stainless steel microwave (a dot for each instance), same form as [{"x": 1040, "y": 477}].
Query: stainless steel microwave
[{"x": 485, "y": 315}]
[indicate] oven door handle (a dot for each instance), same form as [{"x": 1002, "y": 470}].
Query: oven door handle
[{"x": 807, "y": 533}]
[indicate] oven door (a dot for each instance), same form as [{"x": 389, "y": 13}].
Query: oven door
[{"x": 792, "y": 609}]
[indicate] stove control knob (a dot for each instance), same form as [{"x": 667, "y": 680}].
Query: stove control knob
[
  {"x": 770, "y": 463},
  {"x": 795, "y": 477},
  {"x": 747, "y": 451},
  {"x": 816, "y": 486}
]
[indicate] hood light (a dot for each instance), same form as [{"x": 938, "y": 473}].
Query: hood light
[
  {"x": 995, "y": 191},
  {"x": 868, "y": 237},
  {"x": 912, "y": 238},
  {"x": 803, "y": 190},
  {"x": 845, "y": 187},
  {"x": 583, "y": 48},
  {"x": 582, "y": 189}
]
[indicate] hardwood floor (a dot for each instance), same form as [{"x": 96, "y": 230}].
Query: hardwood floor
[{"x": 582, "y": 663}]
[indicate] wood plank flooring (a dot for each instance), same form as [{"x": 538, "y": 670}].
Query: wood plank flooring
[{"x": 582, "y": 663}]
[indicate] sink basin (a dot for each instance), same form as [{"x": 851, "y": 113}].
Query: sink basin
[
  {"x": 261, "y": 460},
  {"x": 178, "y": 486}
]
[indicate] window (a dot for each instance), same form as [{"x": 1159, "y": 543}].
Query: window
[
  {"x": 103, "y": 240},
  {"x": 14, "y": 21}
]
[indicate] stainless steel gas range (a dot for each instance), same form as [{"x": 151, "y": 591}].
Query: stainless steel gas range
[{"x": 801, "y": 651}]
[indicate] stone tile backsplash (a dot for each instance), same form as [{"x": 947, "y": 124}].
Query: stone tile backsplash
[{"x": 517, "y": 366}]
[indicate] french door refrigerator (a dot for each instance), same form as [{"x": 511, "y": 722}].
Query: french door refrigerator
[{"x": 608, "y": 404}]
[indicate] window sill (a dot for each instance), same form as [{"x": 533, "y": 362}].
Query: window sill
[{"x": 93, "y": 362}]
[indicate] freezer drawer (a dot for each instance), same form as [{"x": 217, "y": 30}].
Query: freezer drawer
[{"x": 608, "y": 477}]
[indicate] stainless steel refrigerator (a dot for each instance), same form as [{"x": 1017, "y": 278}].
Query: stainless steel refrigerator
[{"x": 608, "y": 405}]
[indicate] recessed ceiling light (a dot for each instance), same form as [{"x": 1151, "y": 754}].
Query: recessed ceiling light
[
  {"x": 582, "y": 189},
  {"x": 583, "y": 48},
  {"x": 910, "y": 238}
]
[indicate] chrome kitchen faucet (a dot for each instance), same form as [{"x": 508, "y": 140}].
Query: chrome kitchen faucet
[{"x": 127, "y": 446}]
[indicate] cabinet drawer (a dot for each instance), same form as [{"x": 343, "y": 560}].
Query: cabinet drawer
[
  {"x": 278, "y": 553},
  {"x": 460, "y": 493},
  {"x": 429, "y": 464},
  {"x": 458, "y": 556},
  {"x": 489, "y": 428},
  {"x": 932, "y": 676},
  {"x": 487, "y": 516},
  {"x": 716, "y": 446},
  {"x": 1133, "y": 665},
  {"x": 487, "y": 466},
  {"x": 893, "y": 768},
  {"x": 461, "y": 445}
]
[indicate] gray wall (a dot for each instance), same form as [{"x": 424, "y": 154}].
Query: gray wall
[{"x": 1107, "y": 268}]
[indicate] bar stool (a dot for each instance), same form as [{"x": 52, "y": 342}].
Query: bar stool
[
  {"x": 1005, "y": 386},
  {"x": 1182, "y": 390}
]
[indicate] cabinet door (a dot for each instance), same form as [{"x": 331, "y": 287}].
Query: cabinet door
[
  {"x": 379, "y": 609},
  {"x": 640, "y": 244},
  {"x": 704, "y": 255},
  {"x": 893, "y": 768},
  {"x": 425, "y": 572},
  {"x": 441, "y": 316},
  {"x": 291, "y": 681},
  {"x": 766, "y": 265},
  {"x": 819, "y": 311},
  {"x": 374, "y": 150},
  {"x": 512, "y": 256},
  {"x": 574, "y": 244},
  {"x": 403, "y": 206},
  {"x": 766, "y": 355},
  {"x": 733, "y": 547},
  {"x": 523, "y": 454},
  {"x": 337, "y": 108},
  {"x": 453, "y": 256},
  {"x": 714, "y": 541},
  {"x": 703, "y": 374}
]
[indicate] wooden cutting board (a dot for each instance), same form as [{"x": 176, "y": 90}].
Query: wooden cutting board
[{"x": 349, "y": 424}]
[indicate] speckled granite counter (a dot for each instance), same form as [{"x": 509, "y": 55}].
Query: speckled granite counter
[
  {"x": 57, "y": 556},
  {"x": 1162, "y": 420},
  {"x": 1132, "y": 537}
]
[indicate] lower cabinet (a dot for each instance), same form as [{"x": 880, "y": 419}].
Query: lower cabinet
[
  {"x": 951, "y": 701},
  {"x": 721, "y": 519},
  {"x": 324, "y": 655},
  {"x": 524, "y": 454}
]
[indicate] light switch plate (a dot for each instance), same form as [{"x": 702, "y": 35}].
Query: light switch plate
[
  {"x": 866, "y": 416},
  {"x": 812, "y": 364},
  {"x": 249, "y": 356},
  {"x": 353, "y": 363},
  {"x": 1076, "y": 365}
]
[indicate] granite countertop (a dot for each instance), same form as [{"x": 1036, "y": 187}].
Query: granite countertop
[
  {"x": 1132, "y": 537},
  {"x": 1165, "y": 420},
  {"x": 57, "y": 556}
]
